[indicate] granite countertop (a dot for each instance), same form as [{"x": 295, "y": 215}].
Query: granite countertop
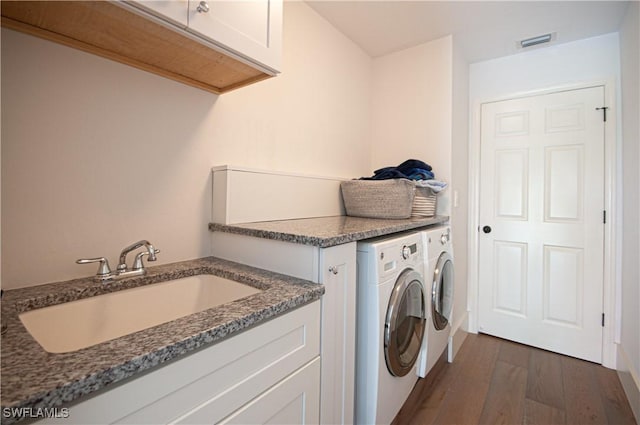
[
  {"x": 34, "y": 378},
  {"x": 324, "y": 232}
]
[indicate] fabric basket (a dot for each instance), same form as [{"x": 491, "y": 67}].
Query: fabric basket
[
  {"x": 391, "y": 199},
  {"x": 424, "y": 202}
]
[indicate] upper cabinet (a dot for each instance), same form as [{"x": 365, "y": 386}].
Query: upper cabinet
[
  {"x": 213, "y": 45},
  {"x": 250, "y": 27},
  {"x": 174, "y": 11}
]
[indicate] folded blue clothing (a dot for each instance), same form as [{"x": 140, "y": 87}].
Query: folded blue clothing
[
  {"x": 386, "y": 174},
  {"x": 413, "y": 163},
  {"x": 419, "y": 174},
  {"x": 412, "y": 169}
]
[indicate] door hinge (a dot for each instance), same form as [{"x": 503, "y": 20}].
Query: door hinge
[
  {"x": 604, "y": 112},
  {"x": 604, "y": 216},
  {"x": 603, "y": 320}
]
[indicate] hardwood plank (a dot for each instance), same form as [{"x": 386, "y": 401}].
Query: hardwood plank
[
  {"x": 616, "y": 405},
  {"x": 421, "y": 392},
  {"x": 433, "y": 398},
  {"x": 514, "y": 353},
  {"x": 583, "y": 404},
  {"x": 483, "y": 352},
  {"x": 544, "y": 382},
  {"x": 463, "y": 403},
  {"x": 424, "y": 402},
  {"x": 536, "y": 413},
  {"x": 505, "y": 398},
  {"x": 578, "y": 392}
]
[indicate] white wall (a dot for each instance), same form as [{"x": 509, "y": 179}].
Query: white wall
[
  {"x": 96, "y": 155},
  {"x": 586, "y": 60},
  {"x": 411, "y": 113},
  {"x": 460, "y": 182},
  {"x": 589, "y": 60},
  {"x": 629, "y": 349}
]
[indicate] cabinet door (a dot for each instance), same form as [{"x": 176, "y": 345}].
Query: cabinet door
[
  {"x": 338, "y": 274},
  {"x": 251, "y": 29},
  {"x": 294, "y": 400},
  {"x": 174, "y": 11}
]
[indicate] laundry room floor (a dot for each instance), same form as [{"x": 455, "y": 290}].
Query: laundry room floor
[{"x": 494, "y": 381}]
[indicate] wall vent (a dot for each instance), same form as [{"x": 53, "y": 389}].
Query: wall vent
[{"x": 534, "y": 41}]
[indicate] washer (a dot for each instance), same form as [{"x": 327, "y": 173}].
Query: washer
[
  {"x": 439, "y": 272},
  {"x": 391, "y": 319}
]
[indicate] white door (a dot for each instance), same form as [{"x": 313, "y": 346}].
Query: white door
[{"x": 541, "y": 221}]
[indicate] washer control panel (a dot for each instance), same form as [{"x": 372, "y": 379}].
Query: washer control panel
[
  {"x": 408, "y": 250},
  {"x": 400, "y": 252}
]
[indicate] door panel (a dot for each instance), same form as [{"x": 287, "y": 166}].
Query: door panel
[
  {"x": 542, "y": 193},
  {"x": 511, "y": 278},
  {"x": 512, "y": 176},
  {"x": 563, "y": 283},
  {"x": 564, "y": 178}
]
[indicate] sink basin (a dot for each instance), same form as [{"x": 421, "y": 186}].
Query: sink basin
[{"x": 79, "y": 324}]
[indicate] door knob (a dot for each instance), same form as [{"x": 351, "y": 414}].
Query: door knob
[{"x": 486, "y": 229}]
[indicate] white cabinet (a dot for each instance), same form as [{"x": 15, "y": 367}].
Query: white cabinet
[
  {"x": 234, "y": 44},
  {"x": 173, "y": 11},
  {"x": 338, "y": 274},
  {"x": 275, "y": 364},
  {"x": 250, "y": 30},
  {"x": 335, "y": 267},
  {"x": 285, "y": 403}
]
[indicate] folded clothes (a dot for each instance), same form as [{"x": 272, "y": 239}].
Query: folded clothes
[
  {"x": 435, "y": 185},
  {"x": 412, "y": 169},
  {"x": 419, "y": 174},
  {"x": 413, "y": 163}
]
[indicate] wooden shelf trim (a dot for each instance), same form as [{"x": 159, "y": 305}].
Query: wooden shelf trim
[{"x": 107, "y": 30}]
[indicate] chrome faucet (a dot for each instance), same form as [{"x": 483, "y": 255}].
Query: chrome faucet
[
  {"x": 106, "y": 275},
  {"x": 151, "y": 251}
]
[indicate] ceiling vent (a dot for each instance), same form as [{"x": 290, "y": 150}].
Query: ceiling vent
[{"x": 534, "y": 41}]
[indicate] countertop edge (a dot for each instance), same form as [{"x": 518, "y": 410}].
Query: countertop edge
[{"x": 265, "y": 230}]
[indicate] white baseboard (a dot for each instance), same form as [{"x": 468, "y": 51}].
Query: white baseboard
[
  {"x": 630, "y": 381},
  {"x": 457, "y": 336}
]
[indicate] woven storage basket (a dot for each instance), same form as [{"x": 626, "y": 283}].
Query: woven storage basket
[
  {"x": 378, "y": 198},
  {"x": 425, "y": 202}
]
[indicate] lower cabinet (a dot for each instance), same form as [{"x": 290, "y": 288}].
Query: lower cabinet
[
  {"x": 292, "y": 401},
  {"x": 335, "y": 267},
  {"x": 267, "y": 374}
]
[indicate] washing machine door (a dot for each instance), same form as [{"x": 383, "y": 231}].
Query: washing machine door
[
  {"x": 405, "y": 323},
  {"x": 442, "y": 291}
]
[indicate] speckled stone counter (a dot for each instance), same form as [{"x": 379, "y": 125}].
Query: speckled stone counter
[
  {"x": 326, "y": 231},
  {"x": 34, "y": 378}
]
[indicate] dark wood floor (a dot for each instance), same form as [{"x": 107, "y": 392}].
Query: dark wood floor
[{"x": 494, "y": 381}]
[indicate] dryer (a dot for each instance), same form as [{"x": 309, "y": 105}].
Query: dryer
[
  {"x": 439, "y": 275},
  {"x": 391, "y": 319}
]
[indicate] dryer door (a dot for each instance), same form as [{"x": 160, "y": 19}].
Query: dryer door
[
  {"x": 442, "y": 291},
  {"x": 405, "y": 323}
]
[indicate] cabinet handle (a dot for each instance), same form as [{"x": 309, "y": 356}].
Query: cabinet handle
[
  {"x": 333, "y": 269},
  {"x": 203, "y": 7}
]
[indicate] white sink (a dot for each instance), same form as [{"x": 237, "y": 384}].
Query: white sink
[{"x": 79, "y": 324}]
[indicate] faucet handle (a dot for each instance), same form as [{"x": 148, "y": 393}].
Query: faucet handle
[
  {"x": 137, "y": 263},
  {"x": 103, "y": 268}
]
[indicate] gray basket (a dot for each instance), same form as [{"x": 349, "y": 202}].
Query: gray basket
[
  {"x": 425, "y": 202},
  {"x": 378, "y": 198}
]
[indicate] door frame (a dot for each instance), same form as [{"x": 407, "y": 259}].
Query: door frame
[{"x": 610, "y": 335}]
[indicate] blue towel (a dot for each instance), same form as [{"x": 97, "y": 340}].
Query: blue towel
[{"x": 411, "y": 169}]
